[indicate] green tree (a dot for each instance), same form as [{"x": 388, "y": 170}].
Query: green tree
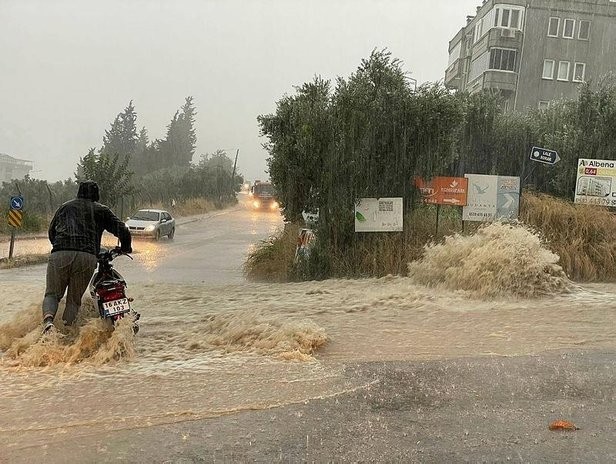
[
  {"x": 178, "y": 147},
  {"x": 299, "y": 139},
  {"x": 111, "y": 172},
  {"x": 121, "y": 138}
]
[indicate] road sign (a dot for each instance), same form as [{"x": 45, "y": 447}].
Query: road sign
[
  {"x": 15, "y": 218},
  {"x": 443, "y": 190},
  {"x": 491, "y": 198},
  {"x": 596, "y": 182},
  {"x": 545, "y": 156},
  {"x": 17, "y": 203}
]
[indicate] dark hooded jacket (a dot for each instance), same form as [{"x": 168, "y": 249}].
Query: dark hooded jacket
[{"x": 78, "y": 224}]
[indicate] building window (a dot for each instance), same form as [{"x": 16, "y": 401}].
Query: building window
[
  {"x": 568, "y": 28},
  {"x": 548, "y": 69},
  {"x": 579, "y": 72},
  {"x": 503, "y": 59},
  {"x": 553, "y": 27},
  {"x": 515, "y": 19},
  {"x": 508, "y": 17},
  {"x": 563, "y": 70},
  {"x": 543, "y": 105},
  {"x": 478, "y": 30},
  {"x": 584, "y": 31}
]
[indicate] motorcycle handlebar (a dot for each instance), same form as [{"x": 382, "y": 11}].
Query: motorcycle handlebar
[
  {"x": 117, "y": 251},
  {"x": 113, "y": 253}
]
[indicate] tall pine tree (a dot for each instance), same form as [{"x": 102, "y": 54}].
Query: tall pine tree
[
  {"x": 178, "y": 147},
  {"x": 121, "y": 139}
]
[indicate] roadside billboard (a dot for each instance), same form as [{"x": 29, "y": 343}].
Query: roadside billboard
[
  {"x": 491, "y": 198},
  {"x": 596, "y": 182},
  {"x": 443, "y": 190},
  {"x": 379, "y": 215}
]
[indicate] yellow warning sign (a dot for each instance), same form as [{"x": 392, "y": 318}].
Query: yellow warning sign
[{"x": 15, "y": 218}]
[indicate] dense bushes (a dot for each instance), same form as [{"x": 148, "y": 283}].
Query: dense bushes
[
  {"x": 582, "y": 236},
  {"x": 372, "y": 133}
]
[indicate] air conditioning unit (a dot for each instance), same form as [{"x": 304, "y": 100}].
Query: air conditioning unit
[{"x": 509, "y": 33}]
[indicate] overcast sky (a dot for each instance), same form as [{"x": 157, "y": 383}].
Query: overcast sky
[{"x": 68, "y": 67}]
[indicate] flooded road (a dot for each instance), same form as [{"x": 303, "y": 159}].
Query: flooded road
[{"x": 212, "y": 345}]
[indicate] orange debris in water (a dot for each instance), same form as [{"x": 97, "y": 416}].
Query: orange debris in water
[{"x": 563, "y": 425}]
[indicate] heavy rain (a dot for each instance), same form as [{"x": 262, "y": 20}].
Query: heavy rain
[{"x": 339, "y": 238}]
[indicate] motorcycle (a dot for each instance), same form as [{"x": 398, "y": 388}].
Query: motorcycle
[{"x": 108, "y": 290}]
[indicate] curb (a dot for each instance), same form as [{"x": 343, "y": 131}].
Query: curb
[{"x": 179, "y": 222}]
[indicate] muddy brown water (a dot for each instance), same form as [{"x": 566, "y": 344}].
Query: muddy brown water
[{"x": 206, "y": 351}]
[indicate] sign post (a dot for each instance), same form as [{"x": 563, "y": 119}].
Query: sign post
[
  {"x": 439, "y": 191},
  {"x": 15, "y": 219},
  {"x": 545, "y": 156}
]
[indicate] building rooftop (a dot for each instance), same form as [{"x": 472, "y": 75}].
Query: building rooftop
[{"x": 4, "y": 158}]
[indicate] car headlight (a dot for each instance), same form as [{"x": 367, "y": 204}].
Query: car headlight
[
  {"x": 275, "y": 205},
  {"x": 256, "y": 204},
  {"x": 150, "y": 228}
]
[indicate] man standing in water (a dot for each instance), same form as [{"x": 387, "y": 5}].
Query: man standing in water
[{"x": 75, "y": 234}]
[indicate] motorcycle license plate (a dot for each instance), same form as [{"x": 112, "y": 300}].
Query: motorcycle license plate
[{"x": 121, "y": 306}]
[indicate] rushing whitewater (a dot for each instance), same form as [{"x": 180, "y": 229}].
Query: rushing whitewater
[{"x": 498, "y": 260}]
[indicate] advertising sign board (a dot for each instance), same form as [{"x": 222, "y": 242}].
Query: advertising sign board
[
  {"x": 379, "y": 215},
  {"x": 491, "y": 198},
  {"x": 596, "y": 182},
  {"x": 443, "y": 190}
]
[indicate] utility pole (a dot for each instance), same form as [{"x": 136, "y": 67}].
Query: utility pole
[{"x": 235, "y": 165}]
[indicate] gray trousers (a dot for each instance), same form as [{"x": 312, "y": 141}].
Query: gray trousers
[{"x": 72, "y": 270}]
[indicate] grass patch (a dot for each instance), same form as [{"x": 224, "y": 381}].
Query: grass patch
[
  {"x": 374, "y": 254},
  {"x": 23, "y": 260},
  {"x": 583, "y": 236},
  {"x": 272, "y": 259}
]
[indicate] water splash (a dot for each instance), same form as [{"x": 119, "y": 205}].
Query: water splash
[
  {"x": 91, "y": 340},
  {"x": 254, "y": 332},
  {"x": 498, "y": 260}
]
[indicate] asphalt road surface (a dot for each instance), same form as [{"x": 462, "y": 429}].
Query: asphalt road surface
[{"x": 408, "y": 375}]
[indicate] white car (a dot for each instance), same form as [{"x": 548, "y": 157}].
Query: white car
[{"x": 154, "y": 223}]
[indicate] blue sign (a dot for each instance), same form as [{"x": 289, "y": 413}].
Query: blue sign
[
  {"x": 17, "y": 203},
  {"x": 545, "y": 156}
]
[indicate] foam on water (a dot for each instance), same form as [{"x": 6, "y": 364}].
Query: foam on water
[
  {"x": 96, "y": 342},
  {"x": 252, "y": 331},
  {"x": 91, "y": 340},
  {"x": 498, "y": 260}
]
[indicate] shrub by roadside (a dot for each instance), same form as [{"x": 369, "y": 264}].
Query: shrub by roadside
[
  {"x": 272, "y": 259},
  {"x": 32, "y": 223},
  {"x": 25, "y": 260},
  {"x": 584, "y": 238},
  {"x": 375, "y": 254}
]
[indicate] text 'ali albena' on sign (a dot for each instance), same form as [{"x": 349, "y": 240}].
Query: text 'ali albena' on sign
[{"x": 443, "y": 190}]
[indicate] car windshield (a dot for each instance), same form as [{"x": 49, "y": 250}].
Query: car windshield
[
  {"x": 264, "y": 189},
  {"x": 145, "y": 216}
]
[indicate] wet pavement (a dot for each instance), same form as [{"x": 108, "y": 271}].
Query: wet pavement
[
  {"x": 460, "y": 410},
  {"x": 377, "y": 370}
]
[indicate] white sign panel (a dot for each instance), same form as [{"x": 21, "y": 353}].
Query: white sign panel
[
  {"x": 596, "y": 182},
  {"x": 491, "y": 198},
  {"x": 379, "y": 215}
]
